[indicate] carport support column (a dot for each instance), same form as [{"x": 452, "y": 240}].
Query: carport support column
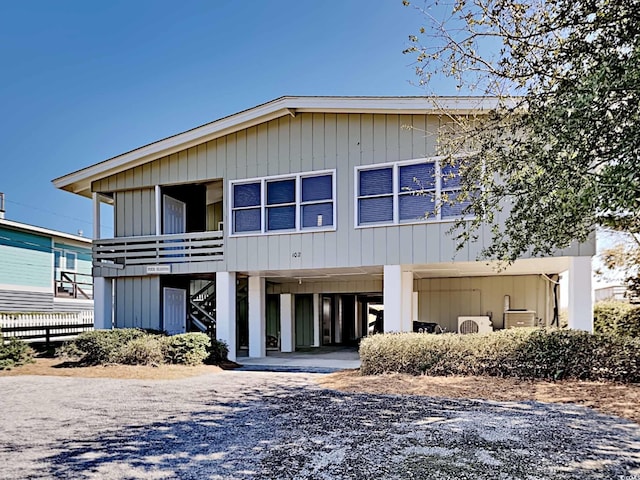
[
  {"x": 580, "y": 294},
  {"x": 397, "y": 298},
  {"x": 257, "y": 320},
  {"x": 226, "y": 310},
  {"x": 102, "y": 303},
  {"x": 316, "y": 320},
  {"x": 287, "y": 332}
]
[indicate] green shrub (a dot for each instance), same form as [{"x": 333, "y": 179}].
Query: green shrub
[
  {"x": 218, "y": 352},
  {"x": 521, "y": 353},
  {"x": 14, "y": 353},
  {"x": 616, "y": 317},
  {"x": 102, "y": 346},
  {"x": 145, "y": 350},
  {"x": 187, "y": 348}
]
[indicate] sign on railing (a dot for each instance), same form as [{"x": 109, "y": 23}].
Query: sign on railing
[{"x": 159, "y": 249}]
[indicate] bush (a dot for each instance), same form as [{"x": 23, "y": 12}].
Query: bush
[
  {"x": 14, "y": 353},
  {"x": 187, "y": 348},
  {"x": 218, "y": 352},
  {"x": 145, "y": 350},
  {"x": 521, "y": 353},
  {"x": 616, "y": 317},
  {"x": 102, "y": 346}
]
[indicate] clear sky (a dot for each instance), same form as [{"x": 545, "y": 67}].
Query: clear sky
[{"x": 84, "y": 80}]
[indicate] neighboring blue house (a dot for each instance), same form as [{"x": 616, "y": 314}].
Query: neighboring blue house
[{"x": 43, "y": 270}]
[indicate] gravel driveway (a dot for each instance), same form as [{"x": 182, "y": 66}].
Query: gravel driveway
[{"x": 281, "y": 425}]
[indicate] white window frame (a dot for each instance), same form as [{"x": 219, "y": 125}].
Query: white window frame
[
  {"x": 395, "y": 167},
  {"x": 63, "y": 267},
  {"x": 299, "y": 204}
]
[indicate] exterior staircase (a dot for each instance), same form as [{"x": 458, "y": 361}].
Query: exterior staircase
[{"x": 202, "y": 308}]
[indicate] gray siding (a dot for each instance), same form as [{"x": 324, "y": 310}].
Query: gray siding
[
  {"x": 72, "y": 305},
  {"x": 303, "y": 143},
  {"x": 137, "y": 302},
  {"x": 442, "y": 300},
  {"x": 135, "y": 212},
  {"x": 21, "y": 301}
]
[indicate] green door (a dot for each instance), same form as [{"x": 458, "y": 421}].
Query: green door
[
  {"x": 273, "y": 321},
  {"x": 304, "y": 320}
]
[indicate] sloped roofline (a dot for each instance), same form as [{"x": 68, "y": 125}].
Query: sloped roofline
[
  {"x": 25, "y": 227},
  {"x": 80, "y": 181}
]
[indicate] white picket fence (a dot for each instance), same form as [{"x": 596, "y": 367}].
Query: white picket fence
[{"x": 45, "y": 327}]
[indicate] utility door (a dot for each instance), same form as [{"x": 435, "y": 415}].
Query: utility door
[
  {"x": 304, "y": 320},
  {"x": 174, "y": 310},
  {"x": 174, "y": 215}
]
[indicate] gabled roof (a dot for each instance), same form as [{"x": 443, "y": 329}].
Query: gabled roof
[
  {"x": 24, "y": 227},
  {"x": 80, "y": 181}
]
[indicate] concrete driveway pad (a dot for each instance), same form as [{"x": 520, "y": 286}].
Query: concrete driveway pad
[{"x": 246, "y": 425}]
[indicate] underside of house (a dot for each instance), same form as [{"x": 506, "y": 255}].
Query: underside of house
[{"x": 298, "y": 224}]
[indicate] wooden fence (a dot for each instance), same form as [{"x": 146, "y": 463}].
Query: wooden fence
[{"x": 45, "y": 327}]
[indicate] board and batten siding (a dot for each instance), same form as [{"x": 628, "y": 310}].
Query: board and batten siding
[
  {"x": 137, "y": 302},
  {"x": 304, "y": 143},
  {"x": 443, "y": 300}
]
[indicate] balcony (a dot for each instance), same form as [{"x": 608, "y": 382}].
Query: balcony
[{"x": 159, "y": 249}]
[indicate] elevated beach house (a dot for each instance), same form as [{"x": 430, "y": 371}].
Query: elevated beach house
[
  {"x": 295, "y": 224},
  {"x": 43, "y": 270}
]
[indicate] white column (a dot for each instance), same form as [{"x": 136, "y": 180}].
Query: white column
[
  {"x": 257, "y": 320},
  {"x": 158, "y": 210},
  {"x": 316, "y": 320},
  {"x": 287, "y": 326},
  {"x": 397, "y": 298},
  {"x": 102, "y": 303},
  {"x": 96, "y": 215},
  {"x": 580, "y": 294},
  {"x": 407, "y": 301},
  {"x": 226, "y": 311}
]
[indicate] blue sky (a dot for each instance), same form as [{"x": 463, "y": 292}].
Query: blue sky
[{"x": 84, "y": 81}]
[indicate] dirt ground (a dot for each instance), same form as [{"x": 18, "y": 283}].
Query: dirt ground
[
  {"x": 62, "y": 368},
  {"x": 609, "y": 398}
]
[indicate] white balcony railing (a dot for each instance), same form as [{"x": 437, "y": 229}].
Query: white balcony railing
[{"x": 159, "y": 249}]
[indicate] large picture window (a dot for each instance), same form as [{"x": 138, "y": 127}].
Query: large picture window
[
  {"x": 292, "y": 203},
  {"x": 408, "y": 192}
]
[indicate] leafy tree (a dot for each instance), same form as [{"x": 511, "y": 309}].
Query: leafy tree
[{"x": 560, "y": 153}]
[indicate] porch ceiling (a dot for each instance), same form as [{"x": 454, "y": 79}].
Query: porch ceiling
[{"x": 533, "y": 266}]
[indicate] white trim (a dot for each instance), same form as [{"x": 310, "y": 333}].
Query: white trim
[
  {"x": 96, "y": 215},
  {"x": 45, "y": 231},
  {"x": 26, "y": 288},
  {"x": 80, "y": 181},
  {"x": 298, "y": 203},
  {"x": 158, "y": 201}
]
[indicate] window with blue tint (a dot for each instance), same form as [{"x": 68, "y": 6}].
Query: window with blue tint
[
  {"x": 420, "y": 206},
  {"x": 419, "y": 176},
  {"x": 375, "y": 210},
  {"x": 450, "y": 175},
  {"x": 281, "y": 218},
  {"x": 317, "y": 215},
  {"x": 453, "y": 207},
  {"x": 246, "y": 195},
  {"x": 281, "y": 191},
  {"x": 317, "y": 188},
  {"x": 378, "y": 181},
  {"x": 246, "y": 220}
]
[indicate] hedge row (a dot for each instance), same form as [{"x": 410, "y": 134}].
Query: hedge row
[
  {"x": 136, "y": 347},
  {"x": 621, "y": 318},
  {"x": 521, "y": 353}
]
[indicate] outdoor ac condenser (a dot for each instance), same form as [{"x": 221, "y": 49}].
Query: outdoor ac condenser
[
  {"x": 474, "y": 325},
  {"x": 520, "y": 318}
]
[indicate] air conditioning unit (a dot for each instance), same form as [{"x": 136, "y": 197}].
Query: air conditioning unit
[
  {"x": 520, "y": 318},
  {"x": 474, "y": 325}
]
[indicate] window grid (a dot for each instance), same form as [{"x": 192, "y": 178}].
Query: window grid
[
  {"x": 437, "y": 189},
  {"x": 299, "y": 204}
]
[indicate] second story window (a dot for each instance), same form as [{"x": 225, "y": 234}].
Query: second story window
[
  {"x": 408, "y": 192},
  {"x": 283, "y": 204}
]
